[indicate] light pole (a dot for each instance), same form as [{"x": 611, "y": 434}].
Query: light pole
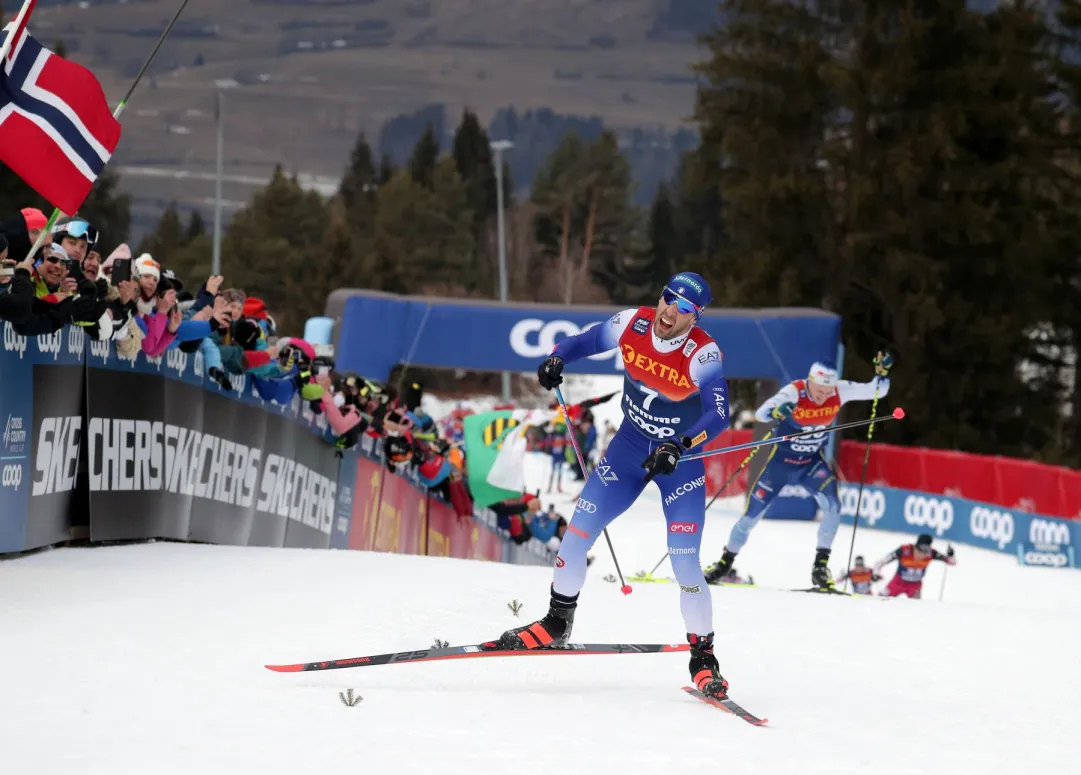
[
  {"x": 499, "y": 146},
  {"x": 219, "y": 114}
]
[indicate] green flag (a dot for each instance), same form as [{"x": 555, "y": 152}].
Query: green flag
[{"x": 495, "y": 448}]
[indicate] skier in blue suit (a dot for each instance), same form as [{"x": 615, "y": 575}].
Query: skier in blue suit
[{"x": 675, "y": 398}]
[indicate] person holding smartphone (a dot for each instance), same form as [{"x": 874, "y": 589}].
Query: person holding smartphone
[{"x": 40, "y": 295}]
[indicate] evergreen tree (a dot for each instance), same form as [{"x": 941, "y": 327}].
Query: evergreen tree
[
  {"x": 890, "y": 161},
  {"x": 456, "y": 242},
  {"x": 386, "y": 170},
  {"x": 336, "y": 266},
  {"x": 196, "y": 227},
  {"x": 765, "y": 111},
  {"x": 273, "y": 243},
  {"x": 1062, "y": 335},
  {"x": 422, "y": 236},
  {"x": 472, "y": 153},
  {"x": 360, "y": 183},
  {"x": 472, "y": 156},
  {"x": 424, "y": 158},
  {"x": 664, "y": 248},
  {"x": 192, "y": 262},
  {"x": 697, "y": 217},
  {"x": 15, "y": 194},
  {"x": 167, "y": 237},
  {"x": 584, "y": 217}
]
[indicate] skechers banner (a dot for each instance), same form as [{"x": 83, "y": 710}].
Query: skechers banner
[
  {"x": 1035, "y": 539},
  {"x": 184, "y": 463}
]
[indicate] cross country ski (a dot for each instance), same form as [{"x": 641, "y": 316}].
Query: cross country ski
[{"x": 479, "y": 650}]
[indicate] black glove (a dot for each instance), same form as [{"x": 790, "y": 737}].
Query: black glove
[
  {"x": 663, "y": 459},
  {"x": 949, "y": 551},
  {"x": 88, "y": 288},
  {"x": 87, "y": 309},
  {"x": 221, "y": 378},
  {"x": 550, "y": 372}
]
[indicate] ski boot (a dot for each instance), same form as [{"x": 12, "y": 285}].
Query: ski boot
[
  {"x": 550, "y": 632},
  {"x": 718, "y": 572},
  {"x": 821, "y": 578},
  {"x": 705, "y": 672}
]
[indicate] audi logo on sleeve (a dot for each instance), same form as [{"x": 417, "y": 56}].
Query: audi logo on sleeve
[
  {"x": 586, "y": 506},
  {"x": 933, "y": 513}
]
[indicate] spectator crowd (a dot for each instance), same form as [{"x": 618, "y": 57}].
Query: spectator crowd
[{"x": 140, "y": 306}]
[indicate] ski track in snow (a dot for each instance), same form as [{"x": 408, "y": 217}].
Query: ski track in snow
[{"x": 149, "y": 658}]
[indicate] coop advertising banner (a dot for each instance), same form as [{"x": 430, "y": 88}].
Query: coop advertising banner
[
  {"x": 960, "y": 520},
  {"x": 41, "y": 408}
]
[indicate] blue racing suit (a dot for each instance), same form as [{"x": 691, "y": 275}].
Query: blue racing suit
[
  {"x": 801, "y": 461},
  {"x": 672, "y": 388}
]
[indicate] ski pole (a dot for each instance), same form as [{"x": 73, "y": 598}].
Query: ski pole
[
  {"x": 898, "y": 414},
  {"x": 742, "y": 465},
  {"x": 724, "y": 486},
  {"x": 625, "y": 588},
  {"x": 863, "y": 480},
  {"x": 942, "y": 589}
]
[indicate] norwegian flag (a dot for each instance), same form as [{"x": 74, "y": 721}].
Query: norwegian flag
[{"x": 56, "y": 129}]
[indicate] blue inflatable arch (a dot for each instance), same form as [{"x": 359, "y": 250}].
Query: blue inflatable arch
[{"x": 374, "y": 332}]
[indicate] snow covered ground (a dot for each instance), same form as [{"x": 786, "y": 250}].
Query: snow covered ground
[{"x": 149, "y": 659}]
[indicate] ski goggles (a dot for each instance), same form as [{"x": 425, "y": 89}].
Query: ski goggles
[
  {"x": 683, "y": 305},
  {"x": 76, "y": 229}
]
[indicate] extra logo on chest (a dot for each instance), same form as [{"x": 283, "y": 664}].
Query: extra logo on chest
[
  {"x": 657, "y": 370},
  {"x": 813, "y": 413}
]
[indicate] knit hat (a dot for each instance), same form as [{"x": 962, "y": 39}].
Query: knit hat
[
  {"x": 146, "y": 265},
  {"x": 35, "y": 219},
  {"x": 301, "y": 345},
  {"x": 254, "y": 308}
]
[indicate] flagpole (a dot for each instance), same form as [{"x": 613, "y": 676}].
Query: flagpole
[
  {"x": 27, "y": 5},
  {"x": 116, "y": 113},
  {"x": 149, "y": 59}
]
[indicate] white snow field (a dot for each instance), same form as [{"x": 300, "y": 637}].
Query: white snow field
[{"x": 149, "y": 659}]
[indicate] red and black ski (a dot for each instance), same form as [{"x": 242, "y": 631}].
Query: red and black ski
[
  {"x": 727, "y": 705},
  {"x": 470, "y": 652}
]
